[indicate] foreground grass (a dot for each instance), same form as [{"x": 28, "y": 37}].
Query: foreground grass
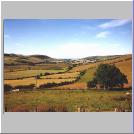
[{"x": 91, "y": 100}]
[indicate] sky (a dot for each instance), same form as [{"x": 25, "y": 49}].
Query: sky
[{"x": 68, "y": 38}]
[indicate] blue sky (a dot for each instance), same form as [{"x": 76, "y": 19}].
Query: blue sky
[{"x": 68, "y": 38}]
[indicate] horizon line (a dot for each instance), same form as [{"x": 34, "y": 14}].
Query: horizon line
[{"x": 69, "y": 58}]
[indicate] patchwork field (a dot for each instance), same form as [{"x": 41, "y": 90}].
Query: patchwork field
[
  {"x": 27, "y": 73},
  {"x": 32, "y": 80},
  {"x": 70, "y": 91}
]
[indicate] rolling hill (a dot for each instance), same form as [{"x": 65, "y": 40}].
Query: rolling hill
[{"x": 15, "y": 59}]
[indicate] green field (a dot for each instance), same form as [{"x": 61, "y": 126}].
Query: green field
[
  {"x": 90, "y": 100},
  {"x": 88, "y": 75}
]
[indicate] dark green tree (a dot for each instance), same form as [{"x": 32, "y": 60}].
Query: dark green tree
[
  {"x": 92, "y": 83},
  {"x": 7, "y": 87},
  {"x": 109, "y": 76}
]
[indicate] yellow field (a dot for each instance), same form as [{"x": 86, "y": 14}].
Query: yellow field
[
  {"x": 62, "y": 76},
  {"x": 77, "y": 85},
  {"x": 126, "y": 68},
  {"x": 27, "y": 73}
]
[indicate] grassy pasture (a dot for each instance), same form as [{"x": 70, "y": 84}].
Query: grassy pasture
[
  {"x": 27, "y": 73},
  {"x": 91, "y": 100},
  {"x": 88, "y": 75}
]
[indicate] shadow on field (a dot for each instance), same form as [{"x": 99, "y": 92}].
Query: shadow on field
[{"x": 121, "y": 89}]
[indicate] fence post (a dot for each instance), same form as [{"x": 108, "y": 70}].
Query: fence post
[
  {"x": 78, "y": 109},
  {"x": 115, "y": 110},
  {"x": 5, "y": 109}
]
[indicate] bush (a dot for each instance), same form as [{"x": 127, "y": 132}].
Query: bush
[
  {"x": 7, "y": 87},
  {"x": 92, "y": 83},
  {"x": 49, "y": 85},
  {"x": 47, "y": 73}
]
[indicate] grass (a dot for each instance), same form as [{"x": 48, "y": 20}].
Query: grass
[
  {"x": 88, "y": 75},
  {"x": 90, "y": 100}
]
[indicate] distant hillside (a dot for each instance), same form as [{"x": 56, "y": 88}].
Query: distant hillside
[
  {"x": 15, "y": 59},
  {"x": 98, "y": 58}
]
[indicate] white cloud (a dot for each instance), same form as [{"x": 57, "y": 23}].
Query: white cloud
[
  {"x": 103, "y": 34},
  {"x": 81, "y": 50},
  {"x": 114, "y": 23}
]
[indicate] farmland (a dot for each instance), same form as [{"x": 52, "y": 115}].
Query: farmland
[
  {"x": 27, "y": 73},
  {"x": 68, "y": 85}
]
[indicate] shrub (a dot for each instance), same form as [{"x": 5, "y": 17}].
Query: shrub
[
  {"x": 92, "y": 83},
  {"x": 7, "y": 87},
  {"x": 47, "y": 73},
  {"x": 49, "y": 85}
]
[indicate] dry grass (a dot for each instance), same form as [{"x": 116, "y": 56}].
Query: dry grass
[
  {"x": 77, "y": 85},
  {"x": 62, "y": 76},
  {"x": 27, "y": 73},
  {"x": 126, "y": 68}
]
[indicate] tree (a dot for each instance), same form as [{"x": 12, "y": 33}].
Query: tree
[
  {"x": 7, "y": 87},
  {"x": 110, "y": 76},
  {"x": 92, "y": 83}
]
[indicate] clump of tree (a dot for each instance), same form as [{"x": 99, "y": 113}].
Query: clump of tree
[
  {"x": 53, "y": 84},
  {"x": 92, "y": 83},
  {"x": 7, "y": 88},
  {"x": 108, "y": 76}
]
